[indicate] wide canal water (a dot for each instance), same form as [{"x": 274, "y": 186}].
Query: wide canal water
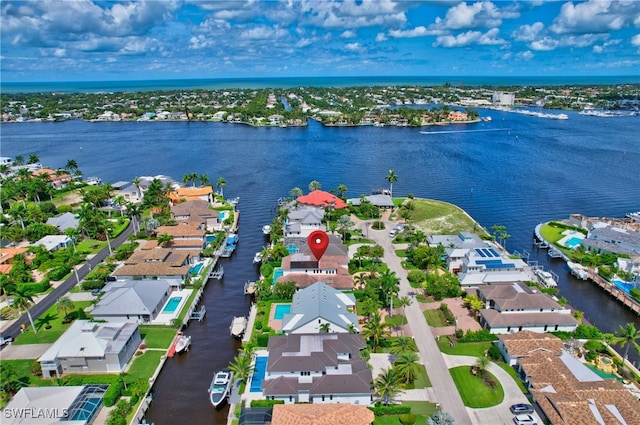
[{"x": 528, "y": 171}]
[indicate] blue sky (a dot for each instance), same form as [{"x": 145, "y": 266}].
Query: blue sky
[{"x": 90, "y": 40}]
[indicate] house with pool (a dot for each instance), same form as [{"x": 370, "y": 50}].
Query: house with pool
[
  {"x": 318, "y": 305},
  {"x": 91, "y": 347},
  {"x": 186, "y": 234},
  {"x": 139, "y": 301},
  {"x": 316, "y": 368},
  {"x": 153, "y": 262}
]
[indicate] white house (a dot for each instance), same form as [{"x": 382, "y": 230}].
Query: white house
[
  {"x": 318, "y": 304},
  {"x": 54, "y": 242},
  {"x": 138, "y": 301}
]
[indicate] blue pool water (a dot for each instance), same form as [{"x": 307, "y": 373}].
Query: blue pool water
[
  {"x": 258, "y": 374},
  {"x": 171, "y": 306},
  {"x": 573, "y": 242},
  {"x": 277, "y": 272},
  {"x": 196, "y": 269},
  {"x": 210, "y": 238},
  {"x": 281, "y": 310},
  {"x": 626, "y": 287}
]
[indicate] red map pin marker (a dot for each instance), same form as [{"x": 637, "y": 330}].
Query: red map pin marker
[{"x": 318, "y": 242}]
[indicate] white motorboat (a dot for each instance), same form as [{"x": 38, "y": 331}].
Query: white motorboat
[
  {"x": 220, "y": 387},
  {"x": 266, "y": 229},
  {"x": 547, "y": 278},
  {"x": 183, "y": 343},
  {"x": 238, "y": 326},
  {"x": 578, "y": 270},
  {"x": 257, "y": 259}
]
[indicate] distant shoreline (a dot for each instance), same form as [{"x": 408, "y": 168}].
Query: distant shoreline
[{"x": 288, "y": 82}]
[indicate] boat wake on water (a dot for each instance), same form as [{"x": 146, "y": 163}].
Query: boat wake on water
[{"x": 464, "y": 131}]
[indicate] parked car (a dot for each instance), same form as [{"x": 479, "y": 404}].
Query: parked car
[
  {"x": 110, "y": 279},
  {"x": 393, "y": 233},
  {"x": 524, "y": 420},
  {"x": 521, "y": 408},
  {"x": 95, "y": 292},
  {"x": 5, "y": 341}
]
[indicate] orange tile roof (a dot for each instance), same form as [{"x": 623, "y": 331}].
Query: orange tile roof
[
  {"x": 7, "y": 254},
  {"x": 320, "y": 198},
  {"x": 321, "y": 414}
]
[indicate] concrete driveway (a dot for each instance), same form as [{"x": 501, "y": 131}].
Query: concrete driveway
[{"x": 23, "y": 351}]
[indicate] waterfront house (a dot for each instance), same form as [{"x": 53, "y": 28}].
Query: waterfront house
[
  {"x": 317, "y": 368},
  {"x": 320, "y": 198},
  {"x": 301, "y": 222},
  {"x": 318, "y": 304},
  {"x": 182, "y": 194},
  {"x": 90, "y": 347},
  {"x": 186, "y": 235},
  {"x": 152, "y": 262},
  {"x": 198, "y": 211},
  {"x": 58, "y": 179},
  {"x": 303, "y": 268},
  {"x": 54, "y": 242},
  {"x": 64, "y": 221},
  {"x": 382, "y": 200},
  {"x": 513, "y": 307},
  {"x": 133, "y": 193},
  {"x": 563, "y": 387},
  {"x": 73, "y": 405},
  {"x": 456, "y": 247},
  {"x": 605, "y": 238},
  {"x": 138, "y": 301},
  {"x": 313, "y": 414}
]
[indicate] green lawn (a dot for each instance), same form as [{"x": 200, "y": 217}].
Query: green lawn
[
  {"x": 436, "y": 217},
  {"x": 475, "y": 349},
  {"x": 157, "y": 336},
  {"x": 395, "y": 320},
  {"x": 422, "y": 410},
  {"x": 473, "y": 391},
  {"x": 435, "y": 318},
  {"x": 422, "y": 381},
  {"x": 50, "y": 317},
  {"x": 143, "y": 366}
]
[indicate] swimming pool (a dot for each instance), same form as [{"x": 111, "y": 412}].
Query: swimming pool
[
  {"x": 258, "y": 374},
  {"x": 196, "y": 269},
  {"x": 210, "y": 238},
  {"x": 277, "y": 272},
  {"x": 626, "y": 287},
  {"x": 172, "y": 305},
  {"x": 573, "y": 242},
  {"x": 281, "y": 310}
]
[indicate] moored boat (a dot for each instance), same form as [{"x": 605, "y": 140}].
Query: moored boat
[
  {"x": 578, "y": 270},
  {"x": 238, "y": 326},
  {"x": 266, "y": 229},
  {"x": 257, "y": 259},
  {"x": 220, "y": 387},
  {"x": 183, "y": 343},
  {"x": 548, "y": 279}
]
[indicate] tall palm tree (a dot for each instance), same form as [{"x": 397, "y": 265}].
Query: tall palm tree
[
  {"x": 136, "y": 183},
  {"x": 295, "y": 192},
  {"x": 133, "y": 211},
  {"x": 627, "y": 335},
  {"x": 391, "y": 178},
  {"x": 164, "y": 239},
  {"x": 22, "y": 300},
  {"x": 402, "y": 344},
  {"x": 342, "y": 189},
  {"x": 390, "y": 286},
  {"x": 64, "y": 305},
  {"x": 325, "y": 327},
  {"x": 375, "y": 329},
  {"x": 7, "y": 285},
  {"x": 407, "y": 366},
  {"x": 204, "y": 180},
  {"x": 387, "y": 385},
  {"x": 33, "y": 159},
  {"x": 221, "y": 183},
  {"x": 314, "y": 185},
  {"x": 482, "y": 364},
  {"x": 71, "y": 166}
]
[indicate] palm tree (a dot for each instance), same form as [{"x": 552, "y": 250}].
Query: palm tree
[
  {"x": 71, "y": 166},
  {"x": 342, "y": 189},
  {"x": 221, "y": 183},
  {"x": 375, "y": 329},
  {"x": 391, "y": 178},
  {"x": 22, "y": 300},
  {"x": 19, "y": 160},
  {"x": 7, "y": 285},
  {"x": 133, "y": 211},
  {"x": 64, "y": 305},
  {"x": 136, "y": 183},
  {"x": 325, "y": 327},
  {"x": 164, "y": 239},
  {"x": 344, "y": 224},
  {"x": 627, "y": 335},
  {"x": 352, "y": 329},
  {"x": 402, "y": 344},
  {"x": 390, "y": 286},
  {"x": 241, "y": 367},
  {"x": 295, "y": 192},
  {"x": 387, "y": 385},
  {"x": 33, "y": 159},
  {"x": 482, "y": 364},
  {"x": 407, "y": 366},
  {"x": 204, "y": 180},
  {"x": 314, "y": 185}
]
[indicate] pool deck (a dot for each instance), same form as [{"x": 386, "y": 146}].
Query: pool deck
[
  {"x": 274, "y": 323},
  {"x": 166, "y": 318},
  {"x": 247, "y": 396}
]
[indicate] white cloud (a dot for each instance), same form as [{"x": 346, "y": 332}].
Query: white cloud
[
  {"x": 348, "y": 34},
  {"x": 635, "y": 40},
  {"x": 415, "y": 32},
  {"x": 479, "y": 14},
  {"x": 528, "y": 32},
  {"x": 599, "y": 48},
  {"x": 354, "y": 47},
  {"x": 595, "y": 16},
  {"x": 263, "y": 33},
  {"x": 350, "y": 14},
  {"x": 526, "y": 55},
  {"x": 381, "y": 37},
  {"x": 469, "y": 38},
  {"x": 304, "y": 42},
  {"x": 549, "y": 43}
]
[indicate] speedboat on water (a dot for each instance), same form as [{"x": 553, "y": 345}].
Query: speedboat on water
[{"x": 220, "y": 387}]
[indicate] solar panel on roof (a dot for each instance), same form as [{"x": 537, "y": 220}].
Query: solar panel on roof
[
  {"x": 493, "y": 251},
  {"x": 479, "y": 251}
]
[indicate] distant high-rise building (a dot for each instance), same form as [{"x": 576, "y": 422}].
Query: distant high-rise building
[{"x": 503, "y": 98}]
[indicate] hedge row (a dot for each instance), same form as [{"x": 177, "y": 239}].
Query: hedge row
[
  {"x": 265, "y": 403},
  {"x": 391, "y": 409}
]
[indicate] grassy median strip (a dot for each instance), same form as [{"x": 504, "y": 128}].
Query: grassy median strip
[{"x": 473, "y": 390}]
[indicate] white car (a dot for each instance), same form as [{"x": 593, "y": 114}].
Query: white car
[
  {"x": 524, "y": 420},
  {"x": 393, "y": 233},
  {"x": 5, "y": 341}
]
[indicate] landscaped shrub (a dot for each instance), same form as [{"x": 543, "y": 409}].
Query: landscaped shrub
[
  {"x": 88, "y": 285},
  {"x": 591, "y": 356},
  {"x": 258, "y": 325},
  {"x": 113, "y": 393},
  {"x": 416, "y": 276},
  {"x": 262, "y": 340},
  {"x": 595, "y": 345},
  {"x": 36, "y": 368},
  {"x": 265, "y": 403},
  {"x": 407, "y": 419},
  {"x": 118, "y": 415},
  {"x": 59, "y": 272},
  {"x": 377, "y": 225},
  {"x": 391, "y": 409},
  {"x": 37, "y": 287},
  {"x": 479, "y": 336},
  {"x": 494, "y": 352}
]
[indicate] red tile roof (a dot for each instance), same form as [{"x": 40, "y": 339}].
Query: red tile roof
[{"x": 320, "y": 198}]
